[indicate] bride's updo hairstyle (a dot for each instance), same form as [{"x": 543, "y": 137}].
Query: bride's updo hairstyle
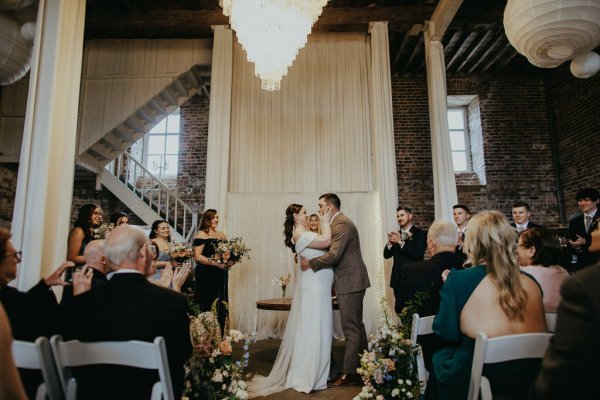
[{"x": 288, "y": 225}]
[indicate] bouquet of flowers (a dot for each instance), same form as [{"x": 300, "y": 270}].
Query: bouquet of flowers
[
  {"x": 282, "y": 281},
  {"x": 180, "y": 252},
  {"x": 388, "y": 368},
  {"x": 231, "y": 251},
  {"x": 102, "y": 231},
  {"x": 211, "y": 372}
]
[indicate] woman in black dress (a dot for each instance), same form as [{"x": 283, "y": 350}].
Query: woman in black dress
[
  {"x": 90, "y": 216},
  {"x": 211, "y": 277}
]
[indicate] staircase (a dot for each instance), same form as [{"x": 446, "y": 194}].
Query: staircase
[
  {"x": 149, "y": 197},
  {"x": 145, "y": 194},
  {"x": 120, "y": 138}
]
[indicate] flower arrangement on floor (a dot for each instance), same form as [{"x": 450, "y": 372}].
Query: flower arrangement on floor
[
  {"x": 230, "y": 251},
  {"x": 282, "y": 281},
  {"x": 102, "y": 231},
  {"x": 180, "y": 252},
  {"x": 211, "y": 372},
  {"x": 388, "y": 368}
]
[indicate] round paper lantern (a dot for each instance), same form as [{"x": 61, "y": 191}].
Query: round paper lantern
[
  {"x": 585, "y": 65},
  {"x": 15, "y": 52},
  {"x": 550, "y": 32}
]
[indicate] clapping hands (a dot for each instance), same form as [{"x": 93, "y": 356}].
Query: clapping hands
[
  {"x": 175, "y": 276},
  {"x": 55, "y": 278},
  {"x": 82, "y": 280}
]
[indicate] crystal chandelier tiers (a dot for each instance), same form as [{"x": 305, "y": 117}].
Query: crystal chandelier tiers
[{"x": 272, "y": 32}]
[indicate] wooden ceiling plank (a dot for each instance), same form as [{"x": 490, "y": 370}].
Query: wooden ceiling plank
[
  {"x": 507, "y": 55},
  {"x": 418, "y": 50},
  {"x": 497, "y": 41},
  {"x": 498, "y": 56},
  {"x": 481, "y": 45},
  {"x": 402, "y": 51},
  {"x": 449, "y": 48},
  {"x": 462, "y": 49}
]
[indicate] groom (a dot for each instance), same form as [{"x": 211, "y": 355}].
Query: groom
[{"x": 350, "y": 282}]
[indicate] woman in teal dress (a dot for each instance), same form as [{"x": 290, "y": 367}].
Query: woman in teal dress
[{"x": 492, "y": 297}]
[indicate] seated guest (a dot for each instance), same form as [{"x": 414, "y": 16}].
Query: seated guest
[
  {"x": 119, "y": 218},
  {"x": 128, "y": 307},
  {"x": 570, "y": 368},
  {"x": 96, "y": 261},
  {"x": 31, "y": 314},
  {"x": 427, "y": 276},
  {"x": 461, "y": 215},
  {"x": 521, "y": 212},
  {"x": 10, "y": 382},
  {"x": 492, "y": 297},
  {"x": 538, "y": 253}
]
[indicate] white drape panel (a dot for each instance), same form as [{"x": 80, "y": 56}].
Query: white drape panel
[
  {"x": 383, "y": 142},
  {"x": 45, "y": 184},
  {"x": 444, "y": 184},
  {"x": 219, "y": 121},
  {"x": 311, "y": 136},
  {"x": 259, "y": 217}
]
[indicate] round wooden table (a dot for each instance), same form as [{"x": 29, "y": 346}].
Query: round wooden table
[{"x": 284, "y": 304}]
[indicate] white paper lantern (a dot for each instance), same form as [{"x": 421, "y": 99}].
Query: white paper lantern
[
  {"x": 550, "y": 32},
  {"x": 585, "y": 65},
  {"x": 15, "y": 52}
]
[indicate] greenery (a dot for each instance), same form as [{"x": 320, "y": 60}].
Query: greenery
[
  {"x": 412, "y": 306},
  {"x": 211, "y": 372}
]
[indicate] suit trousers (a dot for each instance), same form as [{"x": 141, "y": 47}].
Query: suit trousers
[{"x": 351, "y": 313}]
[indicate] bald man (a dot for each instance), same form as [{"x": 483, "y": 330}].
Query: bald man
[
  {"x": 96, "y": 260},
  {"x": 129, "y": 307}
]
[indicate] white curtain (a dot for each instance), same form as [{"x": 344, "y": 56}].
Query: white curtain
[{"x": 311, "y": 137}]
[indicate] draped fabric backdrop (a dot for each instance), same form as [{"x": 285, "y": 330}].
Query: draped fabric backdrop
[{"x": 313, "y": 136}]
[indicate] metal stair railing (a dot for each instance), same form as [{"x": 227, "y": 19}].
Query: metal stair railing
[{"x": 155, "y": 194}]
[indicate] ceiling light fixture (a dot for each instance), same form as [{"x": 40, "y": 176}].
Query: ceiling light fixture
[{"x": 272, "y": 32}]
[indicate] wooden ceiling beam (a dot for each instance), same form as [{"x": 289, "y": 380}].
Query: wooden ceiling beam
[
  {"x": 481, "y": 45},
  {"x": 197, "y": 23},
  {"x": 499, "y": 38},
  {"x": 462, "y": 49},
  {"x": 442, "y": 17}
]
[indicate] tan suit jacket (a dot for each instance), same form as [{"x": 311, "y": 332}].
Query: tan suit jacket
[{"x": 345, "y": 257}]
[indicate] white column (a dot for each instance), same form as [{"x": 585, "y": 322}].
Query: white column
[
  {"x": 219, "y": 122},
  {"x": 382, "y": 128},
  {"x": 444, "y": 184},
  {"x": 45, "y": 182}
]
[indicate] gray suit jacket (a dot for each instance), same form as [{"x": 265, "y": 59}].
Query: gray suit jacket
[{"x": 345, "y": 257}]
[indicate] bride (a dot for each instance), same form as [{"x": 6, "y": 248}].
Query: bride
[{"x": 303, "y": 360}]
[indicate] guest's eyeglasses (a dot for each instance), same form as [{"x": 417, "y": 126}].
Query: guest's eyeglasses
[{"x": 16, "y": 255}]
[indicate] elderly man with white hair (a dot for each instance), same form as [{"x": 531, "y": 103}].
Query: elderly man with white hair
[{"x": 129, "y": 307}]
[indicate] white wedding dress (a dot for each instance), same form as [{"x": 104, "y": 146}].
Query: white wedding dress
[{"x": 303, "y": 360}]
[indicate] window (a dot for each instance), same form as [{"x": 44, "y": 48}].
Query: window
[
  {"x": 459, "y": 139},
  {"x": 161, "y": 147}
]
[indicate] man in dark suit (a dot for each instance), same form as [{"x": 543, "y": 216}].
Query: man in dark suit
[
  {"x": 96, "y": 262},
  {"x": 427, "y": 276},
  {"x": 350, "y": 281},
  {"x": 521, "y": 212},
  {"x": 581, "y": 227},
  {"x": 461, "y": 215},
  {"x": 406, "y": 245},
  {"x": 570, "y": 368},
  {"x": 129, "y": 307}
]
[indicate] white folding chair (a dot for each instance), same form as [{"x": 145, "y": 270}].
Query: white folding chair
[
  {"x": 551, "y": 321},
  {"x": 421, "y": 326},
  {"x": 500, "y": 349},
  {"x": 132, "y": 353},
  {"x": 37, "y": 355}
]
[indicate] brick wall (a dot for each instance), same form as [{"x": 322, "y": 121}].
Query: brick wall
[
  {"x": 576, "y": 104},
  {"x": 516, "y": 145},
  {"x": 8, "y": 187}
]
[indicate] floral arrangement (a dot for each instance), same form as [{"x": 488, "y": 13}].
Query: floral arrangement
[
  {"x": 180, "y": 252},
  {"x": 211, "y": 372},
  {"x": 230, "y": 251},
  {"x": 282, "y": 281},
  {"x": 102, "y": 231},
  {"x": 388, "y": 368}
]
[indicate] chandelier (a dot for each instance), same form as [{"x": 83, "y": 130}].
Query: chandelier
[{"x": 272, "y": 32}]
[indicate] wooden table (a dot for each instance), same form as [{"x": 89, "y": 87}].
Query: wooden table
[{"x": 283, "y": 304}]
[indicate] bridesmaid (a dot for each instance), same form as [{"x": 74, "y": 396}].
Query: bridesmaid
[
  {"x": 90, "y": 216},
  {"x": 160, "y": 234},
  {"x": 211, "y": 277}
]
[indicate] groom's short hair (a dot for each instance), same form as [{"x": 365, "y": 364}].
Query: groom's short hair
[{"x": 332, "y": 199}]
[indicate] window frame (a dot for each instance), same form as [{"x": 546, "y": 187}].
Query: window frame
[
  {"x": 467, "y": 138},
  {"x": 165, "y": 135}
]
